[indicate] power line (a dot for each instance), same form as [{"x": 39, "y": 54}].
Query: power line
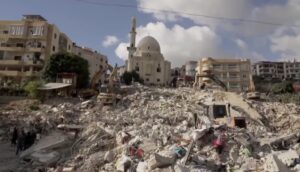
[{"x": 241, "y": 20}]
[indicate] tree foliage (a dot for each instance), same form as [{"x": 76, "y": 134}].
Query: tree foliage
[
  {"x": 67, "y": 63},
  {"x": 31, "y": 88},
  {"x": 129, "y": 77},
  {"x": 283, "y": 87}
]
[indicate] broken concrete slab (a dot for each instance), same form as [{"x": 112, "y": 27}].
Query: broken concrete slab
[
  {"x": 272, "y": 163},
  {"x": 160, "y": 161},
  {"x": 45, "y": 158},
  {"x": 53, "y": 140},
  {"x": 287, "y": 157}
]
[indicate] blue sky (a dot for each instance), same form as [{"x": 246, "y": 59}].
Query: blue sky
[{"x": 89, "y": 24}]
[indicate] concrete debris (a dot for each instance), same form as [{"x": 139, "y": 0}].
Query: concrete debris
[
  {"x": 109, "y": 156},
  {"x": 159, "y": 129},
  {"x": 46, "y": 158}
]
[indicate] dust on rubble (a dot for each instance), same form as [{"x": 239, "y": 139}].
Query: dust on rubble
[{"x": 154, "y": 129}]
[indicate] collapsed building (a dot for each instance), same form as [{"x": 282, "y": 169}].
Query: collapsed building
[{"x": 154, "y": 129}]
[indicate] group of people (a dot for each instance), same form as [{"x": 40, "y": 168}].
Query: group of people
[{"x": 22, "y": 140}]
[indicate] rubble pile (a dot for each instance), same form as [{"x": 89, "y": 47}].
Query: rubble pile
[{"x": 157, "y": 129}]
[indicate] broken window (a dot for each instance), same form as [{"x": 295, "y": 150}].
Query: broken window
[
  {"x": 39, "y": 45},
  {"x": 240, "y": 122},
  {"x": 1, "y": 55},
  {"x": 18, "y": 57},
  {"x": 19, "y": 45},
  {"x": 219, "y": 111},
  {"x": 36, "y": 57}
]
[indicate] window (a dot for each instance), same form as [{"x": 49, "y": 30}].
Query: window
[
  {"x": 69, "y": 47},
  {"x": 147, "y": 79},
  {"x": 232, "y": 66},
  {"x": 5, "y": 32},
  {"x": 18, "y": 57},
  {"x": 55, "y": 35},
  {"x": 158, "y": 80},
  {"x": 137, "y": 68},
  {"x": 217, "y": 66},
  {"x": 53, "y": 48},
  {"x": 234, "y": 85},
  {"x": 19, "y": 45},
  {"x": 158, "y": 69},
  {"x": 219, "y": 111},
  {"x": 16, "y": 30},
  {"x": 1, "y": 55},
  {"x": 39, "y": 45},
  {"x": 148, "y": 48},
  {"x": 233, "y": 75}
]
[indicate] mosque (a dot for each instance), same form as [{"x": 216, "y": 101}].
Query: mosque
[{"x": 146, "y": 59}]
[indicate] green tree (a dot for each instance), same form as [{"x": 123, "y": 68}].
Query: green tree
[
  {"x": 129, "y": 77},
  {"x": 67, "y": 63},
  {"x": 31, "y": 88},
  {"x": 283, "y": 87}
]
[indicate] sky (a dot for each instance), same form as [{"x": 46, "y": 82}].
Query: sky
[{"x": 254, "y": 29}]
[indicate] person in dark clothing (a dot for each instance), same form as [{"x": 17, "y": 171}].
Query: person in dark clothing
[
  {"x": 14, "y": 136},
  {"x": 20, "y": 142},
  {"x": 27, "y": 140},
  {"x": 195, "y": 120},
  {"x": 33, "y": 137}
]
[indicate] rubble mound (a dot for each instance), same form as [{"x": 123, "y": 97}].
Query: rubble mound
[{"x": 159, "y": 129}]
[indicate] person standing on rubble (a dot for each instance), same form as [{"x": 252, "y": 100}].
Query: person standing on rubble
[
  {"x": 14, "y": 136},
  {"x": 219, "y": 142},
  {"x": 20, "y": 142},
  {"x": 219, "y": 145}
]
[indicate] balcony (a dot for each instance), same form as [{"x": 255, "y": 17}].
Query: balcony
[
  {"x": 31, "y": 73},
  {"x": 10, "y": 73},
  {"x": 11, "y": 62},
  {"x": 204, "y": 79},
  {"x": 5, "y": 48},
  {"x": 20, "y": 62},
  {"x": 35, "y": 49},
  {"x": 9, "y": 36}
]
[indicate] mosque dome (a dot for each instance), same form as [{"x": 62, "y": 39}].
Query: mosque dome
[{"x": 148, "y": 44}]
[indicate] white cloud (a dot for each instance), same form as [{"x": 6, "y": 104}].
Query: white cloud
[
  {"x": 287, "y": 12},
  {"x": 178, "y": 44},
  {"x": 286, "y": 45},
  {"x": 241, "y": 44},
  {"x": 110, "y": 40},
  {"x": 221, "y": 8}
]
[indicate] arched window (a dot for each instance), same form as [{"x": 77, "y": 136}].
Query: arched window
[{"x": 158, "y": 69}]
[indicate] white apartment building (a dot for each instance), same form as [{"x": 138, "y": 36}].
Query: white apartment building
[{"x": 277, "y": 70}]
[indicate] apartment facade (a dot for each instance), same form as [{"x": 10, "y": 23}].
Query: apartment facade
[
  {"x": 25, "y": 45},
  {"x": 190, "y": 68},
  {"x": 234, "y": 73},
  {"x": 96, "y": 60},
  {"x": 277, "y": 70}
]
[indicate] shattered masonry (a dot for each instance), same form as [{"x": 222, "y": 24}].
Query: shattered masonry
[{"x": 155, "y": 129}]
